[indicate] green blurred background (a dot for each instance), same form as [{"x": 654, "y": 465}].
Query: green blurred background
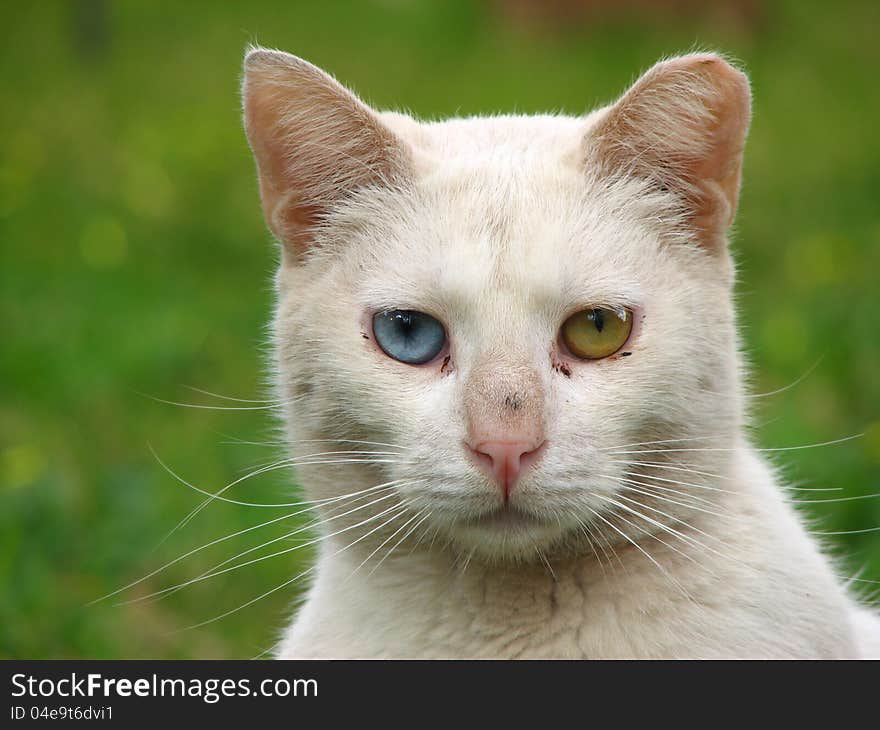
[{"x": 135, "y": 261}]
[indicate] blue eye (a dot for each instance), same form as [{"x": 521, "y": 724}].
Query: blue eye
[{"x": 408, "y": 336}]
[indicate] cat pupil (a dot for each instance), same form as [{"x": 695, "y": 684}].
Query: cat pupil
[
  {"x": 405, "y": 323},
  {"x": 598, "y": 317}
]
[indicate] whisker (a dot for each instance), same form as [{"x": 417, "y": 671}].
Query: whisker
[
  {"x": 324, "y": 457},
  {"x": 193, "y": 552},
  {"x": 405, "y": 536},
  {"x": 663, "y": 441},
  {"x": 693, "y": 485},
  {"x": 422, "y": 537},
  {"x": 793, "y": 488},
  {"x": 235, "y": 441},
  {"x": 219, "y": 396},
  {"x": 835, "y": 499},
  {"x": 674, "y": 467},
  {"x": 205, "y": 407},
  {"x": 634, "y": 488},
  {"x": 643, "y": 551},
  {"x": 217, "y": 541},
  {"x": 263, "y": 469},
  {"x": 249, "y": 603},
  {"x": 680, "y": 493},
  {"x": 846, "y": 532},
  {"x": 348, "y": 441},
  {"x": 679, "y": 467},
  {"x": 268, "y": 650},
  {"x": 401, "y": 510},
  {"x": 604, "y": 541},
  {"x": 591, "y": 540},
  {"x": 272, "y": 401},
  {"x": 216, "y": 569},
  {"x": 660, "y": 492},
  {"x": 684, "y": 538},
  {"x": 675, "y": 533},
  {"x": 467, "y": 562},
  {"x": 545, "y": 561},
  {"x": 215, "y": 496},
  {"x": 791, "y": 385},
  {"x": 385, "y": 542},
  {"x": 778, "y": 448},
  {"x": 283, "y": 442}
]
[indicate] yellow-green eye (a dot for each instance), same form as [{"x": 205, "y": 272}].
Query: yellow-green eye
[{"x": 595, "y": 333}]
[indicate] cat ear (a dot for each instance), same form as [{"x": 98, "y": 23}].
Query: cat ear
[
  {"x": 315, "y": 144},
  {"x": 681, "y": 127}
]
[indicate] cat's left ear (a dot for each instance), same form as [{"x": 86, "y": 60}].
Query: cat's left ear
[
  {"x": 681, "y": 127},
  {"x": 315, "y": 144}
]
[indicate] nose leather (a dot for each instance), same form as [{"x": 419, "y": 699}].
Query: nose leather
[{"x": 505, "y": 461}]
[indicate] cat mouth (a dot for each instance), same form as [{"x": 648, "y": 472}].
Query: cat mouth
[
  {"x": 505, "y": 517},
  {"x": 506, "y": 532}
]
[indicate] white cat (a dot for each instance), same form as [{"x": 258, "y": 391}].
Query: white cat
[{"x": 508, "y": 353}]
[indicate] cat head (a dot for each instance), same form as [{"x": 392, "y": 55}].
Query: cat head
[{"x": 504, "y": 328}]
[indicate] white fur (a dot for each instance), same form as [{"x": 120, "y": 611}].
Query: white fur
[{"x": 500, "y": 228}]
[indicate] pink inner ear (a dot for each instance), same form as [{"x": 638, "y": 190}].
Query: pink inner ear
[
  {"x": 682, "y": 125},
  {"x": 315, "y": 144}
]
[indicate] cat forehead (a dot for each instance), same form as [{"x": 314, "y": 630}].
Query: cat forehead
[
  {"x": 502, "y": 209},
  {"x": 476, "y": 232},
  {"x": 491, "y": 136},
  {"x": 519, "y": 183}
]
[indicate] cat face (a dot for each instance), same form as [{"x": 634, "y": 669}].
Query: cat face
[{"x": 521, "y": 318}]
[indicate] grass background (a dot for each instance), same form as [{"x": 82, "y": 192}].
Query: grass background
[{"x": 134, "y": 260}]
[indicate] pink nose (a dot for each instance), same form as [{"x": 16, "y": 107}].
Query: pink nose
[{"x": 504, "y": 461}]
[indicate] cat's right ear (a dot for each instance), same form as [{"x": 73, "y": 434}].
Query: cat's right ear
[{"x": 315, "y": 144}]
